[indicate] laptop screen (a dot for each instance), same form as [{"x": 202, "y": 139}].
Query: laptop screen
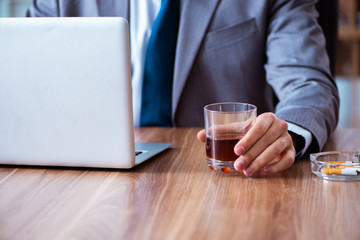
[{"x": 65, "y": 92}]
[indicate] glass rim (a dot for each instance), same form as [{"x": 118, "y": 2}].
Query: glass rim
[
  {"x": 315, "y": 157},
  {"x": 252, "y": 107}
]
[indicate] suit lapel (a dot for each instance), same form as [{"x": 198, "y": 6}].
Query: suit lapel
[{"x": 194, "y": 20}]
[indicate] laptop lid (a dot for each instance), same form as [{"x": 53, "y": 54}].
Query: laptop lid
[{"x": 65, "y": 92}]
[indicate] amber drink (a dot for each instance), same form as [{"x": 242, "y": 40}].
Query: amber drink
[{"x": 225, "y": 125}]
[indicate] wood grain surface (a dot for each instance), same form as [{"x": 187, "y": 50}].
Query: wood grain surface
[{"x": 175, "y": 196}]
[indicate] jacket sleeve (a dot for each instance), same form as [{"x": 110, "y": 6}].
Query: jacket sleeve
[
  {"x": 43, "y": 8},
  {"x": 298, "y": 69}
]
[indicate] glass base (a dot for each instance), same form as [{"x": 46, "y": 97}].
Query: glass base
[{"x": 224, "y": 166}]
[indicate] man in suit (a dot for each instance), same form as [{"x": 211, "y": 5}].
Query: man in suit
[{"x": 238, "y": 51}]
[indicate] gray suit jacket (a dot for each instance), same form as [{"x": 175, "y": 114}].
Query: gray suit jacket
[{"x": 243, "y": 51}]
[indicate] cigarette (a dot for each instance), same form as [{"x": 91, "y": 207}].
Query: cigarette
[
  {"x": 343, "y": 170},
  {"x": 338, "y": 162}
]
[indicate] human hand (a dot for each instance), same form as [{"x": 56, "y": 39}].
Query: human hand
[{"x": 267, "y": 145}]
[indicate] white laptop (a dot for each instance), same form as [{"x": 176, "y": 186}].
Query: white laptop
[{"x": 65, "y": 94}]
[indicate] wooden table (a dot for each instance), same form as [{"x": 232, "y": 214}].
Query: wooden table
[{"x": 175, "y": 196}]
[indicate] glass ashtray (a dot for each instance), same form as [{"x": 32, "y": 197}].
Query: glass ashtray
[{"x": 337, "y": 165}]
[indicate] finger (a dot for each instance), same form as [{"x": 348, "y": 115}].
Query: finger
[
  {"x": 201, "y": 135},
  {"x": 287, "y": 160},
  {"x": 238, "y": 165},
  {"x": 261, "y": 126},
  {"x": 268, "y": 155},
  {"x": 277, "y": 130},
  {"x": 275, "y": 160}
]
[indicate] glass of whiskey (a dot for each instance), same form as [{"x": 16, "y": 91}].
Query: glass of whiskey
[{"x": 225, "y": 124}]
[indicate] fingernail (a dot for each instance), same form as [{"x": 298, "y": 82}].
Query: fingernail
[
  {"x": 239, "y": 165},
  {"x": 239, "y": 150},
  {"x": 248, "y": 171}
]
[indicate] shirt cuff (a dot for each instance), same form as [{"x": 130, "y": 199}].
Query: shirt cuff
[{"x": 303, "y": 133}]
